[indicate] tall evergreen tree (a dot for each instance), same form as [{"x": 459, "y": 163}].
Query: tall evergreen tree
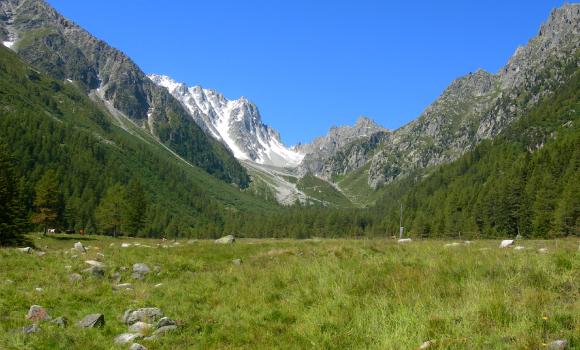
[
  {"x": 47, "y": 200},
  {"x": 135, "y": 207},
  {"x": 12, "y": 216},
  {"x": 109, "y": 213}
]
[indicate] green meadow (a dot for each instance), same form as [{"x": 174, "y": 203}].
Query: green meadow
[{"x": 299, "y": 294}]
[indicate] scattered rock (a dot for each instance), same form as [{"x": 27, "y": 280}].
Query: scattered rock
[
  {"x": 543, "y": 250},
  {"x": 39, "y": 253},
  {"x": 62, "y": 322},
  {"x": 140, "y": 327},
  {"x": 140, "y": 270},
  {"x": 137, "y": 346},
  {"x": 92, "y": 321},
  {"x": 79, "y": 246},
  {"x": 163, "y": 330},
  {"x": 404, "y": 240},
  {"x": 237, "y": 261},
  {"x": 116, "y": 277},
  {"x": 123, "y": 286},
  {"x": 38, "y": 289},
  {"x": 33, "y": 328},
  {"x": 26, "y": 250},
  {"x": 146, "y": 314},
  {"x": 427, "y": 344},
  {"x": 454, "y": 244},
  {"x": 95, "y": 263},
  {"x": 37, "y": 313},
  {"x": 126, "y": 338},
  {"x": 559, "y": 344},
  {"x": 158, "y": 285},
  {"x": 125, "y": 245},
  {"x": 165, "y": 321},
  {"x": 75, "y": 277},
  {"x": 95, "y": 271},
  {"x": 519, "y": 247},
  {"x": 506, "y": 243},
  {"x": 229, "y": 239}
]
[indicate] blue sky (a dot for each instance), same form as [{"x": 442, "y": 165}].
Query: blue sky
[{"x": 309, "y": 65}]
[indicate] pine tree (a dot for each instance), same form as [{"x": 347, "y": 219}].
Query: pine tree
[
  {"x": 135, "y": 207},
  {"x": 12, "y": 217},
  {"x": 47, "y": 200},
  {"x": 109, "y": 213}
]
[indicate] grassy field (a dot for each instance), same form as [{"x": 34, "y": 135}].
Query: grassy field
[{"x": 311, "y": 294}]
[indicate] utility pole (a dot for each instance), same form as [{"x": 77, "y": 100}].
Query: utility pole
[{"x": 401, "y": 229}]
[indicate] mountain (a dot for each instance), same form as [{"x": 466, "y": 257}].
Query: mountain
[
  {"x": 324, "y": 147},
  {"x": 235, "y": 123},
  {"x": 473, "y": 108},
  {"x": 51, "y": 126},
  {"x": 57, "y": 46}
]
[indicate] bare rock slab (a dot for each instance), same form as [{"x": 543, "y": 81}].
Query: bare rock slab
[
  {"x": 92, "y": 321},
  {"x": 127, "y": 338}
]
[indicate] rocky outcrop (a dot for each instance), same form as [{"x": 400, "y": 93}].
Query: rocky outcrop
[{"x": 323, "y": 148}]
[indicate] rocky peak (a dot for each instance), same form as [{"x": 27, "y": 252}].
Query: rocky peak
[{"x": 236, "y": 123}]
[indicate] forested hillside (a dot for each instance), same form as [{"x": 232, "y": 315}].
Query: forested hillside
[{"x": 73, "y": 163}]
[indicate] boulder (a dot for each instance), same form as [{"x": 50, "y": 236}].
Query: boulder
[
  {"x": 33, "y": 328},
  {"x": 123, "y": 286},
  {"x": 164, "y": 330},
  {"x": 165, "y": 321},
  {"x": 95, "y": 263},
  {"x": 140, "y": 270},
  {"x": 137, "y": 346},
  {"x": 95, "y": 271},
  {"x": 125, "y": 245},
  {"x": 92, "y": 321},
  {"x": 62, "y": 322},
  {"x": 75, "y": 277},
  {"x": 507, "y": 243},
  {"x": 559, "y": 344},
  {"x": 37, "y": 313},
  {"x": 146, "y": 314},
  {"x": 79, "y": 246},
  {"x": 26, "y": 250},
  {"x": 404, "y": 240},
  {"x": 229, "y": 239},
  {"x": 140, "y": 327},
  {"x": 127, "y": 338}
]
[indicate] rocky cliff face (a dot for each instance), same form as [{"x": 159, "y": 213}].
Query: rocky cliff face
[
  {"x": 236, "y": 123},
  {"x": 59, "y": 47},
  {"x": 323, "y": 148},
  {"x": 474, "y": 107}
]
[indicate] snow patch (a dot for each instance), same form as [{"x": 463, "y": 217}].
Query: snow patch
[{"x": 8, "y": 44}]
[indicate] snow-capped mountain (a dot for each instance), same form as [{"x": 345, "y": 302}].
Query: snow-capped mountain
[{"x": 236, "y": 123}]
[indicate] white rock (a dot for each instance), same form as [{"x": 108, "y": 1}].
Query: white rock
[
  {"x": 127, "y": 337},
  {"x": 125, "y": 245},
  {"x": 26, "y": 250},
  {"x": 404, "y": 240},
  {"x": 454, "y": 244},
  {"x": 519, "y": 247},
  {"x": 543, "y": 250},
  {"x": 229, "y": 239},
  {"x": 427, "y": 344},
  {"x": 95, "y": 263},
  {"x": 38, "y": 289},
  {"x": 158, "y": 285},
  {"x": 79, "y": 246},
  {"x": 506, "y": 243}
]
